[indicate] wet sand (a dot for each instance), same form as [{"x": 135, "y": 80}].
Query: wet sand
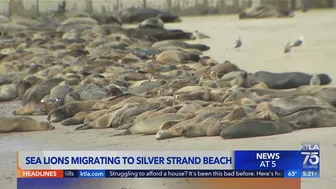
[{"x": 263, "y": 43}]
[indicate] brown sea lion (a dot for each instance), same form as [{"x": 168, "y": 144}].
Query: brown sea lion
[
  {"x": 253, "y": 128},
  {"x": 60, "y": 91},
  {"x": 105, "y": 104},
  {"x": 170, "y": 109},
  {"x": 241, "y": 81},
  {"x": 69, "y": 110},
  {"x": 224, "y": 68},
  {"x": 176, "y": 56},
  {"x": 153, "y": 125},
  {"x": 36, "y": 108},
  {"x": 23, "y": 124},
  {"x": 177, "y": 129},
  {"x": 77, "y": 119},
  {"x": 309, "y": 117},
  {"x": 190, "y": 108},
  {"x": 39, "y": 91},
  {"x": 95, "y": 115},
  {"x": 205, "y": 96},
  {"x": 201, "y": 127},
  {"x": 143, "y": 116},
  {"x": 108, "y": 120},
  {"x": 8, "y": 92}
]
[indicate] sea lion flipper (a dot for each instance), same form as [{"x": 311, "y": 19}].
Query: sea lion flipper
[
  {"x": 83, "y": 127},
  {"x": 126, "y": 132},
  {"x": 125, "y": 126},
  {"x": 72, "y": 121}
]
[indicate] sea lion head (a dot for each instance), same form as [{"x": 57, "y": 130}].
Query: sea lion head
[
  {"x": 162, "y": 134},
  {"x": 46, "y": 126},
  {"x": 114, "y": 90},
  {"x": 207, "y": 61},
  {"x": 31, "y": 79},
  {"x": 55, "y": 116}
]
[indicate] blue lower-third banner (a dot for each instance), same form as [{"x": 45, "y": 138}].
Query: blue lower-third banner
[{"x": 172, "y": 173}]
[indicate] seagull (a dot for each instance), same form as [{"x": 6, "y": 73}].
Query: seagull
[
  {"x": 238, "y": 43},
  {"x": 199, "y": 35},
  {"x": 298, "y": 42},
  {"x": 288, "y": 47}
]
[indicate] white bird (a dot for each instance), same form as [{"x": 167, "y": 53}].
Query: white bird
[
  {"x": 238, "y": 43},
  {"x": 298, "y": 42},
  {"x": 199, "y": 35}
]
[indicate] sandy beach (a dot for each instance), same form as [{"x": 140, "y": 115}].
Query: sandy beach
[{"x": 263, "y": 44}]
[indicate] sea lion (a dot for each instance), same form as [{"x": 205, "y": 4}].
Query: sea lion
[
  {"x": 190, "y": 89},
  {"x": 77, "y": 119},
  {"x": 110, "y": 119},
  {"x": 231, "y": 75},
  {"x": 154, "y": 22},
  {"x": 177, "y": 56},
  {"x": 143, "y": 116},
  {"x": 93, "y": 92},
  {"x": 286, "y": 80},
  {"x": 60, "y": 91},
  {"x": 298, "y": 101},
  {"x": 208, "y": 83},
  {"x": 69, "y": 110},
  {"x": 8, "y": 78},
  {"x": 36, "y": 108},
  {"x": 153, "y": 125},
  {"x": 310, "y": 117},
  {"x": 23, "y": 124},
  {"x": 8, "y": 92},
  {"x": 176, "y": 130},
  {"x": 254, "y": 128},
  {"x": 136, "y": 15},
  {"x": 114, "y": 101},
  {"x": 215, "y": 129},
  {"x": 130, "y": 114},
  {"x": 190, "y": 108},
  {"x": 264, "y": 11},
  {"x": 95, "y": 115},
  {"x": 204, "y": 96},
  {"x": 224, "y": 68},
  {"x": 71, "y": 97},
  {"x": 181, "y": 44},
  {"x": 158, "y": 34},
  {"x": 146, "y": 87},
  {"x": 201, "y": 127},
  {"x": 241, "y": 81},
  {"x": 40, "y": 90},
  {"x": 169, "y": 109}
]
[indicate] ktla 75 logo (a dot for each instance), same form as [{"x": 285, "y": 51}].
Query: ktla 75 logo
[{"x": 312, "y": 158}]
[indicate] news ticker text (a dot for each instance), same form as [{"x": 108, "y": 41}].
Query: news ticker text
[{"x": 167, "y": 174}]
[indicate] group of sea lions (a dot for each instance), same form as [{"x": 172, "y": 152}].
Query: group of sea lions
[
  {"x": 265, "y": 11},
  {"x": 147, "y": 80}
]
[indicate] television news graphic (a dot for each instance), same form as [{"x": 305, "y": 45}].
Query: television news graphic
[
  {"x": 160, "y": 164},
  {"x": 310, "y": 157}
]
